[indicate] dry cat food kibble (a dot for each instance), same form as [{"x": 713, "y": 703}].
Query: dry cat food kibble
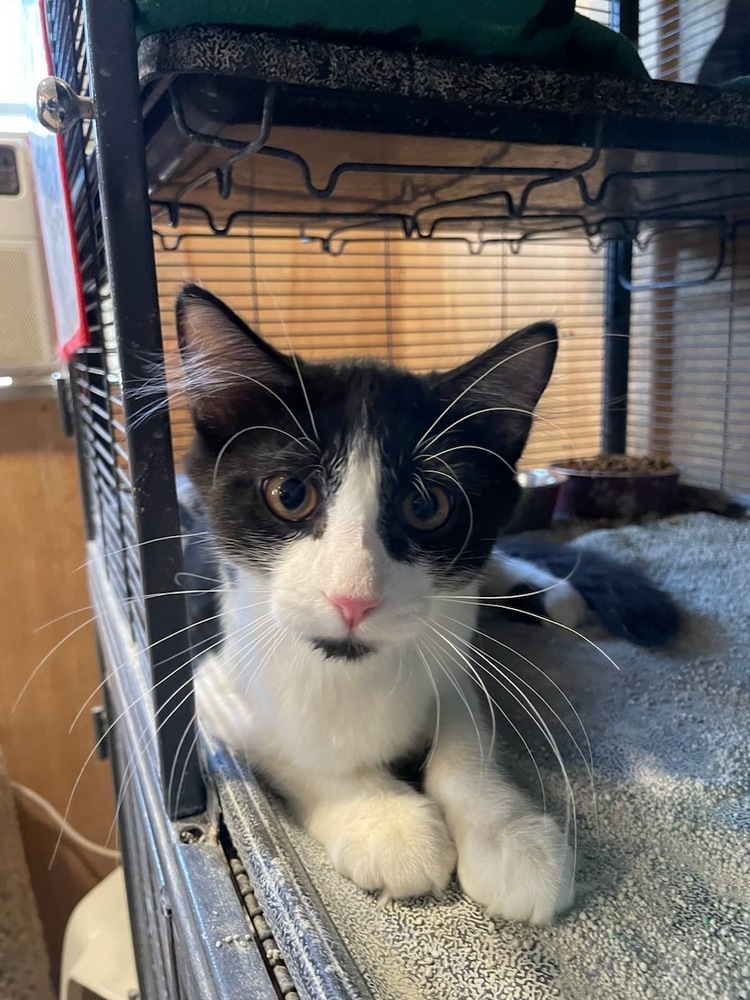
[{"x": 619, "y": 465}]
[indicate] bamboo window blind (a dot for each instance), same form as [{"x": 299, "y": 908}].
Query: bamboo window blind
[
  {"x": 690, "y": 343},
  {"x": 429, "y": 304},
  {"x": 421, "y": 304}
]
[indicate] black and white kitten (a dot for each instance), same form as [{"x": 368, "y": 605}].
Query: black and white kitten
[{"x": 350, "y": 503}]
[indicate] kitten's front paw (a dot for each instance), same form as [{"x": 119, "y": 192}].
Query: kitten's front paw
[
  {"x": 397, "y": 843},
  {"x": 520, "y": 869}
]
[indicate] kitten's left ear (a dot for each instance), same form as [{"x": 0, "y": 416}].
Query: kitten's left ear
[
  {"x": 503, "y": 385},
  {"x": 226, "y": 364}
]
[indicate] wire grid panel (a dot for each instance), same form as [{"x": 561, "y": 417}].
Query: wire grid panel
[
  {"x": 95, "y": 374},
  {"x": 690, "y": 359},
  {"x": 420, "y": 304}
]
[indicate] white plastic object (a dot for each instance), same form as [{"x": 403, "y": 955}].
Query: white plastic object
[
  {"x": 97, "y": 958},
  {"x": 27, "y": 328}
]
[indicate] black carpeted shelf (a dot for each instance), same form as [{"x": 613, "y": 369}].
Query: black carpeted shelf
[{"x": 347, "y": 138}]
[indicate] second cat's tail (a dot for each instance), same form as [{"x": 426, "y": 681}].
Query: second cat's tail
[{"x": 620, "y": 596}]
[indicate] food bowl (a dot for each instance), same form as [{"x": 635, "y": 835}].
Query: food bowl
[
  {"x": 616, "y": 487},
  {"x": 540, "y": 489}
]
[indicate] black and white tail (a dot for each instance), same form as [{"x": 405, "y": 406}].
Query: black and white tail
[{"x": 619, "y": 596}]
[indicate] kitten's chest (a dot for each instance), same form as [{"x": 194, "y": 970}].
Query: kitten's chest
[{"x": 322, "y": 715}]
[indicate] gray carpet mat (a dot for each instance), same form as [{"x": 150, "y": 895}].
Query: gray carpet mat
[{"x": 662, "y": 831}]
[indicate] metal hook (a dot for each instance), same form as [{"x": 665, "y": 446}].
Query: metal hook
[
  {"x": 223, "y": 176},
  {"x": 650, "y": 286}
]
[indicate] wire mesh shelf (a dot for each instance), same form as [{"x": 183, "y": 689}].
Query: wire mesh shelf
[{"x": 337, "y": 187}]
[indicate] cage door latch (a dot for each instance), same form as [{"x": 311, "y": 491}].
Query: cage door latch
[{"x": 58, "y": 107}]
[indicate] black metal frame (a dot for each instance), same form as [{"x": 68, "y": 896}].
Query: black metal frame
[
  {"x": 127, "y": 462},
  {"x": 628, "y": 19},
  {"x": 126, "y": 224},
  {"x": 616, "y": 347},
  {"x": 618, "y": 301},
  {"x": 615, "y": 194}
]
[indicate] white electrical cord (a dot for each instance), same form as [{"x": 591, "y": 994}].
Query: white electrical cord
[{"x": 68, "y": 831}]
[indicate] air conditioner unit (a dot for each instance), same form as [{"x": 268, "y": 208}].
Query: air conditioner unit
[{"x": 28, "y": 354}]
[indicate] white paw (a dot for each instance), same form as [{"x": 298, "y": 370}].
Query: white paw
[
  {"x": 397, "y": 843},
  {"x": 563, "y": 604},
  {"x": 519, "y": 869}
]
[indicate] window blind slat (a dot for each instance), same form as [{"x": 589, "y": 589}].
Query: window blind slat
[{"x": 422, "y": 304}]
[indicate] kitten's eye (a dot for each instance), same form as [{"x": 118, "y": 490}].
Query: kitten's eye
[
  {"x": 426, "y": 510},
  {"x": 290, "y": 497}
]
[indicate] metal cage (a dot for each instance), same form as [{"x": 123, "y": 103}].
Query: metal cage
[{"x": 154, "y": 159}]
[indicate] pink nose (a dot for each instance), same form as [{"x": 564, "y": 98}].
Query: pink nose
[{"x": 353, "y": 609}]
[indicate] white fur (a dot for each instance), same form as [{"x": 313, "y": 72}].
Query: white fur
[
  {"x": 324, "y": 731},
  {"x": 562, "y": 602}
]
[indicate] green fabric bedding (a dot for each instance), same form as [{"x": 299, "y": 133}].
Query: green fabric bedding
[{"x": 544, "y": 32}]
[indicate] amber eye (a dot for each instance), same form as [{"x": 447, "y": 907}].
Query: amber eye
[
  {"x": 290, "y": 497},
  {"x": 426, "y": 509}
]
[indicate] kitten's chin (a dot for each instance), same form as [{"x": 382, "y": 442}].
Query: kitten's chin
[{"x": 343, "y": 649}]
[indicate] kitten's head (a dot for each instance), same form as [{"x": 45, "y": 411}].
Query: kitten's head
[{"x": 359, "y": 492}]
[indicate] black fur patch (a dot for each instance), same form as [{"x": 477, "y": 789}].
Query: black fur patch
[
  {"x": 462, "y": 431},
  {"x": 201, "y": 577},
  {"x": 343, "y": 649}
]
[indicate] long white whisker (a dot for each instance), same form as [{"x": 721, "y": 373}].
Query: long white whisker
[
  {"x": 196, "y": 576},
  {"x": 130, "y": 770},
  {"x": 436, "y": 734},
  {"x": 246, "y": 430},
  {"x": 99, "y": 742},
  {"x": 69, "y": 635},
  {"x": 46, "y": 657},
  {"x": 471, "y": 670},
  {"x": 470, "y": 529},
  {"x": 456, "y": 650},
  {"x": 469, "y": 416},
  {"x": 60, "y": 618},
  {"x": 493, "y": 705},
  {"x": 539, "y": 417},
  {"x": 461, "y": 695},
  {"x": 194, "y": 724},
  {"x": 476, "y": 381},
  {"x": 138, "y": 545},
  {"x": 292, "y": 354},
  {"x": 261, "y": 665},
  {"x": 587, "y": 758},
  {"x": 268, "y": 389},
  {"x": 497, "y": 672},
  {"x": 557, "y": 580},
  {"x": 139, "y": 750},
  {"x": 541, "y": 618},
  {"x": 196, "y": 737},
  {"x": 145, "y": 649},
  {"x": 466, "y": 447},
  {"x": 476, "y": 681}
]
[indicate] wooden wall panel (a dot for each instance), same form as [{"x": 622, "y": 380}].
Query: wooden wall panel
[{"x": 41, "y": 578}]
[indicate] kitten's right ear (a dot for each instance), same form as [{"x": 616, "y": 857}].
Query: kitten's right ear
[{"x": 225, "y": 363}]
